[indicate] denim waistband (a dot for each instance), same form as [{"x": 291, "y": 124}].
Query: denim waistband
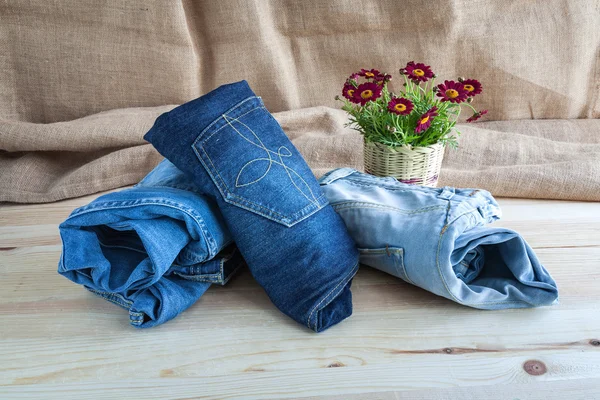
[{"x": 465, "y": 200}]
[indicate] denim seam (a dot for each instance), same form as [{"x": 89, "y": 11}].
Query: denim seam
[
  {"x": 395, "y": 250},
  {"x": 212, "y": 253},
  {"x": 175, "y": 205},
  {"x": 404, "y": 268},
  {"x": 362, "y": 204},
  {"x": 211, "y": 278},
  {"x": 469, "y": 212},
  {"x": 331, "y": 293},
  {"x": 318, "y": 206},
  {"x": 379, "y": 251},
  {"x": 358, "y": 182},
  {"x": 117, "y": 299},
  {"x": 117, "y": 203},
  {"x": 185, "y": 188},
  {"x": 394, "y": 185},
  {"x": 437, "y": 256},
  {"x": 235, "y": 270},
  {"x": 366, "y": 184},
  {"x": 326, "y": 179},
  {"x": 219, "y": 277},
  {"x": 208, "y": 278}
]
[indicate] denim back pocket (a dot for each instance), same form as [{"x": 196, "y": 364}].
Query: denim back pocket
[
  {"x": 388, "y": 259},
  {"x": 255, "y": 166}
]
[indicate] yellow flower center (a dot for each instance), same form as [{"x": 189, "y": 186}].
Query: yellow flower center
[
  {"x": 366, "y": 94},
  {"x": 424, "y": 120},
  {"x": 469, "y": 88},
  {"x": 451, "y": 93},
  {"x": 400, "y": 107},
  {"x": 369, "y": 74},
  {"x": 418, "y": 72},
  {"x": 351, "y": 92}
]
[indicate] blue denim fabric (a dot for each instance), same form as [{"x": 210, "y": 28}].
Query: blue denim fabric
[
  {"x": 153, "y": 249},
  {"x": 296, "y": 246},
  {"x": 437, "y": 239}
]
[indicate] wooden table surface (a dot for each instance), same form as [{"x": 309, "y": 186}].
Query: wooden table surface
[{"x": 59, "y": 340}]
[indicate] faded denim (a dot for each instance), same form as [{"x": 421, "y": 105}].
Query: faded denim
[
  {"x": 438, "y": 239},
  {"x": 153, "y": 249},
  {"x": 296, "y": 246}
]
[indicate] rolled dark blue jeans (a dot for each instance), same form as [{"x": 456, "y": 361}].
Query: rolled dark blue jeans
[
  {"x": 296, "y": 246},
  {"x": 153, "y": 249}
]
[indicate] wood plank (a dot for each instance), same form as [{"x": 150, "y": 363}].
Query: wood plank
[
  {"x": 546, "y": 390},
  {"x": 420, "y": 372},
  {"x": 101, "y": 347}
]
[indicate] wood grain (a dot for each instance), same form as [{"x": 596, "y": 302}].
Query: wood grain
[{"x": 58, "y": 340}]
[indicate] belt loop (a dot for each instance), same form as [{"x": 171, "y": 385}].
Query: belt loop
[
  {"x": 446, "y": 193},
  {"x": 335, "y": 174}
]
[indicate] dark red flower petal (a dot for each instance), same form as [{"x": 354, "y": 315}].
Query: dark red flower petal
[
  {"x": 400, "y": 106},
  {"x": 451, "y": 91},
  {"x": 418, "y": 72},
  {"x": 366, "y": 92},
  {"x": 472, "y": 87}
]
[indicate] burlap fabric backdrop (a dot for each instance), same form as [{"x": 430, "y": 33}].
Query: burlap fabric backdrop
[{"x": 82, "y": 81}]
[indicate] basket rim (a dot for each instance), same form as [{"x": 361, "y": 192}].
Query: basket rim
[{"x": 407, "y": 149}]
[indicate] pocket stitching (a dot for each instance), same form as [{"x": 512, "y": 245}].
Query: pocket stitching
[
  {"x": 229, "y": 196},
  {"x": 228, "y": 111},
  {"x": 401, "y": 253},
  {"x": 395, "y": 250}
]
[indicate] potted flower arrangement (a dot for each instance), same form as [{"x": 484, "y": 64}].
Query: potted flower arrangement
[{"x": 405, "y": 133}]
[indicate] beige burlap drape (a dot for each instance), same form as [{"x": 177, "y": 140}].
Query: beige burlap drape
[{"x": 81, "y": 82}]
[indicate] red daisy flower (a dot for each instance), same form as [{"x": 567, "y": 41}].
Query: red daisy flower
[
  {"x": 472, "y": 87},
  {"x": 400, "y": 106},
  {"x": 348, "y": 92},
  {"x": 477, "y": 115},
  {"x": 451, "y": 91},
  {"x": 424, "y": 121},
  {"x": 366, "y": 92},
  {"x": 369, "y": 74},
  {"x": 417, "y": 72},
  {"x": 383, "y": 79}
]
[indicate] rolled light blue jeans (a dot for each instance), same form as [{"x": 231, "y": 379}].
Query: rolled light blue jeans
[
  {"x": 153, "y": 249},
  {"x": 437, "y": 239},
  {"x": 295, "y": 245}
]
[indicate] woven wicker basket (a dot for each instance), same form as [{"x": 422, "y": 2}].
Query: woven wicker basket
[{"x": 417, "y": 165}]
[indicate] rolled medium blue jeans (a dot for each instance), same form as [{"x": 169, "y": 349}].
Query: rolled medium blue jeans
[{"x": 153, "y": 249}]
